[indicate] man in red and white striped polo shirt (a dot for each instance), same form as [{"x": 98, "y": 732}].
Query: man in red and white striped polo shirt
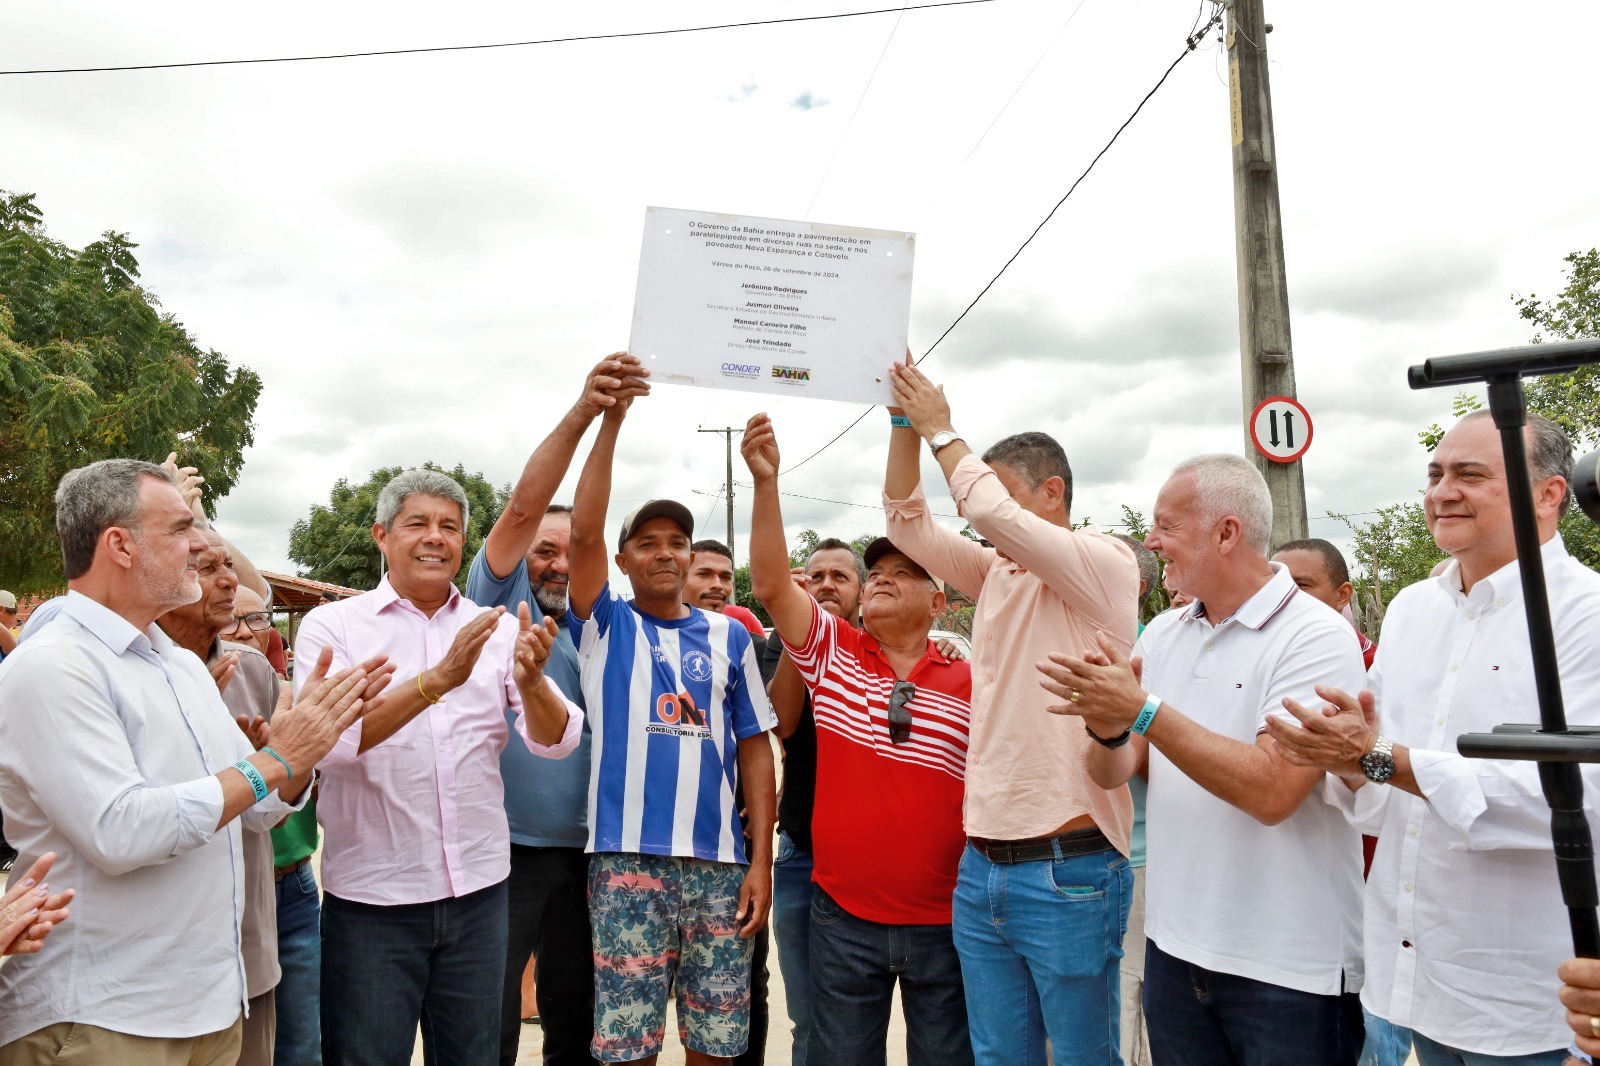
[{"x": 892, "y": 717}]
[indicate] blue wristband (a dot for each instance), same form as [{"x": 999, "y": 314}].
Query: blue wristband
[
  {"x": 1152, "y": 704},
  {"x": 900, "y": 421},
  {"x": 252, "y": 775},
  {"x": 287, "y": 768}
]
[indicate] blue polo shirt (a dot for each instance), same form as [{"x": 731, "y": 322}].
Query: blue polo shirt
[{"x": 546, "y": 799}]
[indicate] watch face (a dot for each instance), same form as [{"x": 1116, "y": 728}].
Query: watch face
[{"x": 1378, "y": 766}]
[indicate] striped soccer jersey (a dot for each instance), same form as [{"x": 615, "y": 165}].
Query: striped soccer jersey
[{"x": 668, "y": 701}]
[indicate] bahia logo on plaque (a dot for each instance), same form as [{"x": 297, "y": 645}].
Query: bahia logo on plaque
[{"x": 795, "y": 375}]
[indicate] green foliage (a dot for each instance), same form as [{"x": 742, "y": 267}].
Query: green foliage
[
  {"x": 334, "y": 544},
  {"x": 1391, "y": 551},
  {"x": 1462, "y": 405},
  {"x": 89, "y": 370},
  {"x": 1572, "y": 400}
]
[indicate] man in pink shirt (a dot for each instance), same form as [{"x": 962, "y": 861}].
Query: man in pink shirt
[
  {"x": 1044, "y": 886},
  {"x": 417, "y": 850}
]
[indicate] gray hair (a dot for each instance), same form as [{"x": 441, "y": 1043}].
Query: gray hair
[
  {"x": 1034, "y": 458},
  {"x": 1149, "y": 569},
  {"x": 92, "y": 499},
  {"x": 426, "y": 482},
  {"x": 1231, "y": 486},
  {"x": 1549, "y": 451}
]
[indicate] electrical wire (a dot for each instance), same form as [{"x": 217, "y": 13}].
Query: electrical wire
[
  {"x": 1189, "y": 46},
  {"x": 852, "y": 120},
  {"x": 501, "y": 44}
]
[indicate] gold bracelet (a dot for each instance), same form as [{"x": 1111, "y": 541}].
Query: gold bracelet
[{"x": 423, "y": 693}]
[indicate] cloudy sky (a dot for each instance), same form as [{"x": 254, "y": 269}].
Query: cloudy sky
[{"x": 422, "y": 255}]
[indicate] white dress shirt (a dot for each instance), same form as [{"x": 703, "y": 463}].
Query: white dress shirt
[
  {"x": 1464, "y": 921},
  {"x": 1275, "y": 903},
  {"x": 108, "y": 740}
]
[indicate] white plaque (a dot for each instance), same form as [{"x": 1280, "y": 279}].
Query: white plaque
[{"x": 765, "y": 305}]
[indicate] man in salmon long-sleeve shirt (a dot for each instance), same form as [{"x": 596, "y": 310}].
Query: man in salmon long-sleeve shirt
[{"x": 1044, "y": 884}]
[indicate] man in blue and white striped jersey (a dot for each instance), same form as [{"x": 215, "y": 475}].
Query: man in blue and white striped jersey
[{"x": 677, "y": 708}]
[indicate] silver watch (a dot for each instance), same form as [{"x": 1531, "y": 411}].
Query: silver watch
[
  {"x": 942, "y": 439},
  {"x": 1378, "y": 764}
]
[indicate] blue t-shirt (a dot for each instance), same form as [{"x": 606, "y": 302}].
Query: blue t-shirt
[
  {"x": 546, "y": 799},
  {"x": 670, "y": 700}
]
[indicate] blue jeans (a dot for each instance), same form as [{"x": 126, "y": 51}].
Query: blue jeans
[
  {"x": 299, "y": 1039},
  {"x": 385, "y": 969},
  {"x": 1201, "y": 1017},
  {"x": 1386, "y": 1044},
  {"x": 854, "y": 966},
  {"x": 1433, "y": 1053},
  {"x": 1040, "y": 946},
  {"x": 791, "y": 924}
]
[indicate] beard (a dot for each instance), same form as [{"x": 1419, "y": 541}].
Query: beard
[
  {"x": 168, "y": 588},
  {"x": 551, "y": 600}
]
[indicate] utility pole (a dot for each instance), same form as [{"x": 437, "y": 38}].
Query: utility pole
[
  {"x": 728, "y": 432},
  {"x": 1266, "y": 355}
]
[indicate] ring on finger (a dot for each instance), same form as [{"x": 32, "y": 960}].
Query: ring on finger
[
  {"x": 1594, "y": 1026},
  {"x": 1076, "y": 696}
]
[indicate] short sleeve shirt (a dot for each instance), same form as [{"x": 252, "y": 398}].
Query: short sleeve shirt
[
  {"x": 669, "y": 701},
  {"x": 886, "y": 826}
]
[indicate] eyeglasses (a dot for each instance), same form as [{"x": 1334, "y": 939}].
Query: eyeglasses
[
  {"x": 900, "y": 718},
  {"x": 260, "y": 621}
]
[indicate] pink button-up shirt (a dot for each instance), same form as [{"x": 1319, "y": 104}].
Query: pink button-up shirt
[
  {"x": 421, "y": 816},
  {"x": 1047, "y": 589}
]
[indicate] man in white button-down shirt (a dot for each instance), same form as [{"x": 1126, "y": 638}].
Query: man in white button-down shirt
[
  {"x": 1464, "y": 919},
  {"x": 117, "y": 754}
]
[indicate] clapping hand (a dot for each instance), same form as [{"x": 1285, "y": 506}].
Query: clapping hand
[
  {"x": 28, "y": 913},
  {"x": 533, "y": 646}
]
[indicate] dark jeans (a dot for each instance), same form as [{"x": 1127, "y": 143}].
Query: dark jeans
[
  {"x": 299, "y": 1038},
  {"x": 384, "y": 969},
  {"x": 1200, "y": 1017},
  {"x": 548, "y": 904},
  {"x": 854, "y": 966},
  {"x": 755, "y": 1054}
]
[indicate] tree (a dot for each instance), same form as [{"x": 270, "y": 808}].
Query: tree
[
  {"x": 1572, "y": 400},
  {"x": 89, "y": 370},
  {"x": 334, "y": 544}
]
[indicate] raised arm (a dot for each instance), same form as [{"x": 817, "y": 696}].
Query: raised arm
[
  {"x": 587, "y": 562},
  {"x": 617, "y": 376},
  {"x": 770, "y": 580}
]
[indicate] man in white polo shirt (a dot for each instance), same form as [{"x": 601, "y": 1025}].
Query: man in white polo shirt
[{"x": 1254, "y": 885}]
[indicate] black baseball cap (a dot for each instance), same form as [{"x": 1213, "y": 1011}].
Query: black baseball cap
[
  {"x": 884, "y": 546},
  {"x": 656, "y": 509}
]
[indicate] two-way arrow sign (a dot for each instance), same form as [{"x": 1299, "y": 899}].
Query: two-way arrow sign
[{"x": 1280, "y": 428}]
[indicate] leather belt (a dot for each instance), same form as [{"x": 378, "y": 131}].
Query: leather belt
[
  {"x": 1071, "y": 845},
  {"x": 280, "y": 872}
]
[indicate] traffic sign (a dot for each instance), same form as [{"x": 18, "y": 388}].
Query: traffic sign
[{"x": 1280, "y": 428}]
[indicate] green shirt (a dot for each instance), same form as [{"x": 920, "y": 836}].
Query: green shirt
[{"x": 296, "y": 838}]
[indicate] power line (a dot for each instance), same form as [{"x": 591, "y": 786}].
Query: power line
[
  {"x": 500, "y": 44},
  {"x": 1189, "y": 46},
  {"x": 865, "y": 89}
]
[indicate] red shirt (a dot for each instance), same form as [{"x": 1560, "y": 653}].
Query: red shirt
[
  {"x": 745, "y": 617},
  {"x": 886, "y": 828}
]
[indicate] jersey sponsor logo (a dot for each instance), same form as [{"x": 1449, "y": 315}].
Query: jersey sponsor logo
[
  {"x": 697, "y": 666},
  {"x": 676, "y": 715}
]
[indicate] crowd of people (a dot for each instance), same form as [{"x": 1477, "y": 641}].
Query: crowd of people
[{"x": 1279, "y": 859}]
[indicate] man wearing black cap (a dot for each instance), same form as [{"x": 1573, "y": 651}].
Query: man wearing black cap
[
  {"x": 676, "y": 703},
  {"x": 892, "y": 716}
]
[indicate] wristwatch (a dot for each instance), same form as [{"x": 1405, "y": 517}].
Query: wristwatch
[
  {"x": 941, "y": 439},
  {"x": 1378, "y": 764}
]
